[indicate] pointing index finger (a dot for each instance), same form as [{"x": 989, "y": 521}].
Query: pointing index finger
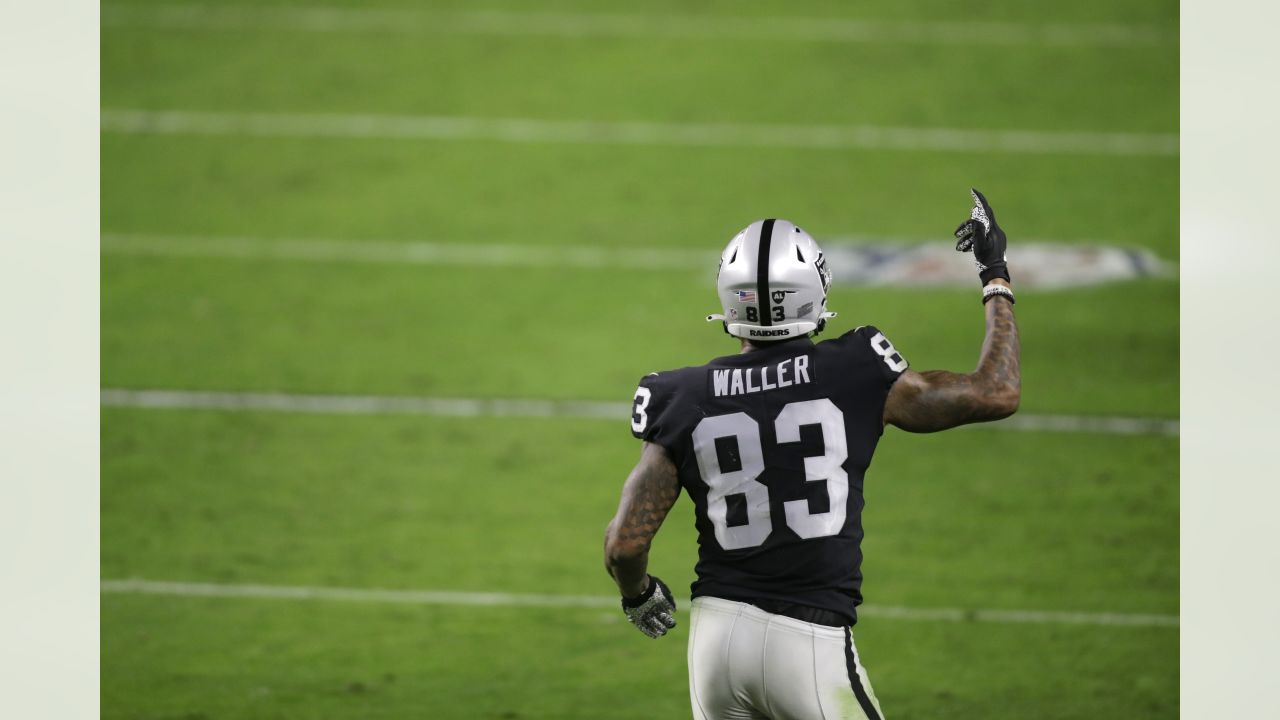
[{"x": 980, "y": 200}]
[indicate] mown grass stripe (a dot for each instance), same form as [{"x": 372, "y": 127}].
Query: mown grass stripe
[
  {"x": 136, "y": 586},
  {"x": 521, "y": 130},
  {"x": 531, "y": 408},
  {"x": 667, "y": 26}
]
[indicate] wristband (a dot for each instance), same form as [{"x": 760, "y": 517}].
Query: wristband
[
  {"x": 642, "y": 598},
  {"x": 991, "y": 291}
]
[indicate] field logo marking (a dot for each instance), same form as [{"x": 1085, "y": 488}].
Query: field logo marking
[
  {"x": 522, "y": 130},
  {"x": 591, "y": 25},
  {"x": 534, "y": 408},
  {"x": 495, "y": 599}
]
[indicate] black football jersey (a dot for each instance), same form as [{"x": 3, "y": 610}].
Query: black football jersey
[{"x": 772, "y": 446}]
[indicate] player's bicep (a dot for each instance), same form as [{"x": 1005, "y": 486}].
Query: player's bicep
[
  {"x": 933, "y": 400},
  {"x": 904, "y": 396},
  {"x": 649, "y": 493}
]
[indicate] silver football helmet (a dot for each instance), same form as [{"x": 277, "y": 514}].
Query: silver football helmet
[{"x": 772, "y": 283}]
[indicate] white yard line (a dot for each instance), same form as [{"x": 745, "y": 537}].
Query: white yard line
[
  {"x": 492, "y": 599},
  {"x": 828, "y": 137},
  {"x": 590, "y": 25},
  {"x": 533, "y": 408},
  {"x": 364, "y": 404},
  {"x": 410, "y": 253},
  {"x": 860, "y": 261}
]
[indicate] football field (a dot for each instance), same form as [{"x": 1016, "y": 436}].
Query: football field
[{"x": 379, "y": 279}]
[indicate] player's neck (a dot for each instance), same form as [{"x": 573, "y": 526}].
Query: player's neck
[{"x": 748, "y": 346}]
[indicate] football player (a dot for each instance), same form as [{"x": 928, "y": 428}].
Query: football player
[{"x": 772, "y": 445}]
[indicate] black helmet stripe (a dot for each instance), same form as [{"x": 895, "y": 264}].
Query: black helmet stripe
[{"x": 762, "y": 272}]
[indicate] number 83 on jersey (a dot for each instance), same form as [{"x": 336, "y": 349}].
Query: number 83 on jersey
[{"x": 744, "y": 480}]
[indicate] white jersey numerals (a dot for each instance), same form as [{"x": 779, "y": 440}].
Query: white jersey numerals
[
  {"x": 885, "y": 349},
  {"x": 743, "y": 480},
  {"x": 828, "y": 466},
  {"x": 639, "y": 420}
]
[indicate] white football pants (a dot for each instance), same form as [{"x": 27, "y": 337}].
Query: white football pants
[{"x": 748, "y": 663}]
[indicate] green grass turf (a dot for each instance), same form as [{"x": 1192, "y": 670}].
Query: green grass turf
[
  {"x": 240, "y": 325},
  {"x": 1155, "y": 13},
  {"x": 521, "y": 505},
  {"x": 496, "y": 192},
  {"x": 499, "y": 505},
  {"x": 616, "y": 196},
  {"x": 206, "y": 658},
  {"x": 978, "y": 518},
  {"x": 578, "y": 78}
]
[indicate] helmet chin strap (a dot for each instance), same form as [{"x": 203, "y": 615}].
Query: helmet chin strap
[
  {"x": 822, "y": 322},
  {"x": 717, "y": 316},
  {"x": 724, "y": 323}
]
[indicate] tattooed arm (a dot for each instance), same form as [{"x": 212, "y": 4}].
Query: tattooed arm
[
  {"x": 647, "y": 497},
  {"x": 936, "y": 399}
]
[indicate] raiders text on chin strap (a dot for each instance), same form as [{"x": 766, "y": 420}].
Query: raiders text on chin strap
[{"x": 772, "y": 283}]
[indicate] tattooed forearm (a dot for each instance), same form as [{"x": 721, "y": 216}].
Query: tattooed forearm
[
  {"x": 937, "y": 399},
  {"x": 648, "y": 495}
]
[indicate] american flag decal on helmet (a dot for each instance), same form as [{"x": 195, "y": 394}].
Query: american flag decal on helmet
[{"x": 746, "y": 296}]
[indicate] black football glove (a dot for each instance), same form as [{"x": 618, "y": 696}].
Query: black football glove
[
  {"x": 653, "y": 611},
  {"x": 983, "y": 236}
]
